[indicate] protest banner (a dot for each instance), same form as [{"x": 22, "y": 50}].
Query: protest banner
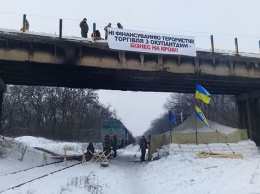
[{"x": 146, "y": 42}]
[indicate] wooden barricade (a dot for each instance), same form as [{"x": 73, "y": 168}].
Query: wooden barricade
[
  {"x": 100, "y": 156},
  {"x": 7, "y": 144},
  {"x": 84, "y": 161},
  {"x": 23, "y": 152},
  {"x": 44, "y": 159},
  {"x": 65, "y": 158}
]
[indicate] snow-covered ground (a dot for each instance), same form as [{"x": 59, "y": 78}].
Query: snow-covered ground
[{"x": 178, "y": 172}]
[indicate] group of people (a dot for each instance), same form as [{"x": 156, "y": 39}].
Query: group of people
[
  {"x": 108, "y": 143},
  {"x": 84, "y": 29},
  {"x": 95, "y": 35},
  {"x": 107, "y": 147},
  {"x": 143, "y": 143}
]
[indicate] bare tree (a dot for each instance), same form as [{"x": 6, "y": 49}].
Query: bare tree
[
  {"x": 221, "y": 109},
  {"x": 57, "y": 113}
]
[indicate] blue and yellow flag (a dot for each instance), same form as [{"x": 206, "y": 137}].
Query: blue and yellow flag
[
  {"x": 202, "y": 94},
  {"x": 172, "y": 118},
  {"x": 201, "y": 116}
]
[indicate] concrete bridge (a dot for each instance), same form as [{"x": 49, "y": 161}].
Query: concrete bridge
[{"x": 40, "y": 59}]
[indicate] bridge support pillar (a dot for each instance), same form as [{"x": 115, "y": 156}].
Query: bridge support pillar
[
  {"x": 1, "y": 104},
  {"x": 249, "y": 114},
  {"x": 122, "y": 58},
  {"x": 2, "y": 90},
  {"x": 197, "y": 65},
  {"x": 231, "y": 67}
]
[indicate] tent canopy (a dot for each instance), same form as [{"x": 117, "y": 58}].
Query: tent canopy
[{"x": 194, "y": 131}]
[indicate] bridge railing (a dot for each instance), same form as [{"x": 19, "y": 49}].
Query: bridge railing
[{"x": 70, "y": 27}]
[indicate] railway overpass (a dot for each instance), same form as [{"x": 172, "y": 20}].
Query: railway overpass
[{"x": 47, "y": 60}]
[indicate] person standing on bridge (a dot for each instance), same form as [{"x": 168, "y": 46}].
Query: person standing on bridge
[
  {"x": 84, "y": 28},
  {"x": 96, "y": 35},
  {"x": 119, "y": 26},
  {"x": 106, "y": 32},
  {"x": 26, "y": 26}
]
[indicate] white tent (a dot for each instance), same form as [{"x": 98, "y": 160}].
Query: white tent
[{"x": 194, "y": 131}]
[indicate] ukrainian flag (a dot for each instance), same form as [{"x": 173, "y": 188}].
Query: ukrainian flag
[
  {"x": 172, "y": 118},
  {"x": 201, "y": 116},
  {"x": 202, "y": 94}
]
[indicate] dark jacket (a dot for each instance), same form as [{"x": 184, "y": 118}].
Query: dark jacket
[
  {"x": 90, "y": 148},
  {"x": 106, "y": 31},
  {"x": 119, "y": 26},
  {"x": 84, "y": 26},
  {"x": 107, "y": 143},
  {"x": 114, "y": 142},
  {"x": 143, "y": 143},
  {"x": 107, "y": 26}
]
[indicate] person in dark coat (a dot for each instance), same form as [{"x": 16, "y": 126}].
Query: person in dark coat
[
  {"x": 90, "y": 148},
  {"x": 106, "y": 31},
  {"x": 107, "y": 147},
  {"x": 84, "y": 28},
  {"x": 143, "y": 146},
  {"x": 119, "y": 26},
  {"x": 114, "y": 145}
]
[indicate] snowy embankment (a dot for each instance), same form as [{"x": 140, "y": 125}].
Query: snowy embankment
[
  {"x": 246, "y": 148},
  {"x": 53, "y": 146},
  {"x": 178, "y": 172},
  {"x": 12, "y": 158}
]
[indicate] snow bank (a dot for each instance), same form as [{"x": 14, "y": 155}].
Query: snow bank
[
  {"x": 56, "y": 146},
  {"x": 13, "y": 149},
  {"x": 178, "y": 173},
  {"x": 247, "y": 148}
]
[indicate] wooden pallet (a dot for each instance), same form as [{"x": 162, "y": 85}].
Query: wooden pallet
[{"x": 218, "y": 155}]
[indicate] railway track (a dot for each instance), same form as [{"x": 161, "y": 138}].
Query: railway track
[
  {"x": 7, "y": 180},
  {"x": 30, "y": 168}
]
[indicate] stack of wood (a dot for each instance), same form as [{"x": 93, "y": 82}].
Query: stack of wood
[{"x": 218, "y": 155}]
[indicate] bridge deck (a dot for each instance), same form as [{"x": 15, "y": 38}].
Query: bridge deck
[{"x": 44, "y": 59}]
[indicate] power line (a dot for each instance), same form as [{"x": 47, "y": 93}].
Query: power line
[
  {"x": 10, "y": 13},
  {"x": 39, "y": 16}
]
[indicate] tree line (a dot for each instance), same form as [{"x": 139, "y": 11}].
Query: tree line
[
  {"x": 76, "y": 114},
  {"x": 54, "y": 112},
  {"x": 222, "y": 109}
]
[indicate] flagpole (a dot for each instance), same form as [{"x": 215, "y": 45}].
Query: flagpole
[
  {"x": 202, "y": 94},
  {"x": 170, "y": 130},
  {"x": 173, "y": 119},
  {"x": 195, "y": 119},
  {"x": 196, "y": 126},
  {"x": 171, "y": 135}
]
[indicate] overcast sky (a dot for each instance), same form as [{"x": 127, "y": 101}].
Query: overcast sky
[{"x": 225, "y": 19}]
